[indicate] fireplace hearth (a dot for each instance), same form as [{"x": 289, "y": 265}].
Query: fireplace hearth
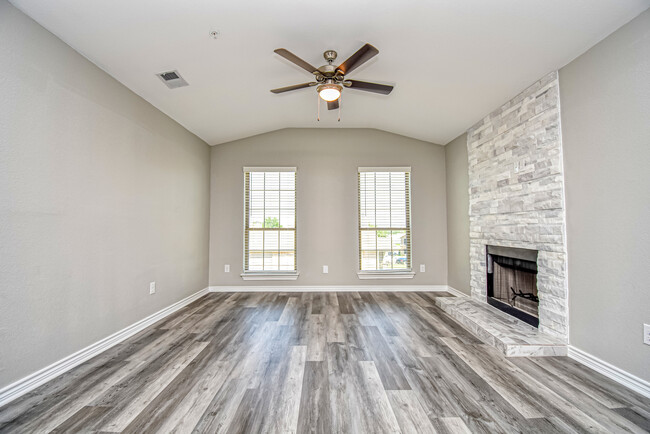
[{"x": 512, "y": 282}]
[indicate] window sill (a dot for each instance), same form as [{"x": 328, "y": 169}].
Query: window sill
[
  {"x": 385, "y": 274},
  {"x": 293, "y": 275}
]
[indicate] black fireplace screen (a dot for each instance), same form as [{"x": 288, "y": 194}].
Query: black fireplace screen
[{"x": 512, "y": 286}]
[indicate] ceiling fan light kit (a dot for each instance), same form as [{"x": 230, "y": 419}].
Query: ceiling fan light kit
[
  {"x": 330, "y": 79},
  {"x": 329, "y": 92}
]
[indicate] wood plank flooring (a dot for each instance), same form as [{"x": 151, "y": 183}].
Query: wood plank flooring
[{"x": 369, "y": 362}]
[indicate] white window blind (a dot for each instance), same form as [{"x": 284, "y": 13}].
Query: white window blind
[
  {"x": 384, "y": 219},
  {"x": 270, "y": 219}
]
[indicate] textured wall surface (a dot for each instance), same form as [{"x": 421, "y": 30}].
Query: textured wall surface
[
  {"x": 327, "y": 201},
  {"x": 100, "y": 193},
  {"x": 457, "y": 214},
  {"x": 606, "y": 140},
  {"x": 516, "y": 194}
]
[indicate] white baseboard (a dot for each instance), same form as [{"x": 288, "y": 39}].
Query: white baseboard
[
  {"x": 331, "y": 288},
  {"x": 32, "y": 381},
  {"x": 628, "y": 380},
  {"x": 456, "y": 292}
]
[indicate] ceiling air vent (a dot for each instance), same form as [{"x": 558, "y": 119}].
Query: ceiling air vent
[{"x": 172, "y": 79}]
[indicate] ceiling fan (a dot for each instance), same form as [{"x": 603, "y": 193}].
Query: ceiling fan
[{"x": 330, "y": 79}]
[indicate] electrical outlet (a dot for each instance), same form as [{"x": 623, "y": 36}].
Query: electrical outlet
[
  {"x": 423, "y": 268},
  {"x": 326, "y": 269},
  {"x": 646, "y": 334},
  {"x": 226, "y": 268},
  {"x": 152, "y": 288}
]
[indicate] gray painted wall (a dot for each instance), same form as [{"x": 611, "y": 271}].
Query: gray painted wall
[
  {"x": 458, "y": 214},
  {"x": 605, "y": 98},
  {"x": 327, "y": 161},
  {"x": 100, "y": 193}
]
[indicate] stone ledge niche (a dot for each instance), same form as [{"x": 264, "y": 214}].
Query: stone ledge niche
[{"x": 516, "y": 194}]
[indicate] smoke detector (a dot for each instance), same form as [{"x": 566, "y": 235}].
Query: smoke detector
[{"x": 172, "y": 79}]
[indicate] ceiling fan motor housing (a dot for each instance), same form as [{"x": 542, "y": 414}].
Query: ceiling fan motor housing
[{"x": 326, "y": 72}]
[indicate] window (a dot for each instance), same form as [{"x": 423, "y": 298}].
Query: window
[
  {"x": 270, "y": 220},
  {"x": 384, "y": 219}
]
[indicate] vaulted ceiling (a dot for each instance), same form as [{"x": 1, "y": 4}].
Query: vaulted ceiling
[{"x": 451, "y": 62}]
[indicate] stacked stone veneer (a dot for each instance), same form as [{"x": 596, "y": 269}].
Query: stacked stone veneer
[{"x": 516, "y": 194}]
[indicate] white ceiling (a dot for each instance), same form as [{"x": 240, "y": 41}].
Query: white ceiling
[{"x": 451, "y": 62}]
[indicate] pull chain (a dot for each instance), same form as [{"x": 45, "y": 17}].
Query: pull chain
[
  {"x": 340, "y": 101},
  {"x": 318, "y": 105}
]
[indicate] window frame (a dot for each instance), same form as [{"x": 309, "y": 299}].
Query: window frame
[
  {"x": 267, "y": 274},
  {"x": 406, "y": 273}
]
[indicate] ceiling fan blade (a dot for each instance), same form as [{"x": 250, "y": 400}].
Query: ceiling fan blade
[
  {"x": 295, "y": 59},
  {"x": 333, "y": 105},
  {"x": 362, "y": 55},
  {"x": 294, "y": 87},
  {"x": 370, "y": 87}
]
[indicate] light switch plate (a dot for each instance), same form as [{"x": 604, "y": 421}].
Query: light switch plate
[
  {"x": 646, "y": 334},
  {"x": 226, "y": 268},
  {"x": 152, "y": 287},
  {"x": 423, "y": 268},
  {"x": 326, "y": 269}
]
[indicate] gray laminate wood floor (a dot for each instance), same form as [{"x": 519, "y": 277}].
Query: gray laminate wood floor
[{"x": 345, "y": 363}]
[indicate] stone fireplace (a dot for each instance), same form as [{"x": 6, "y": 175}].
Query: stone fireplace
[{"x": 516, "y": 191}]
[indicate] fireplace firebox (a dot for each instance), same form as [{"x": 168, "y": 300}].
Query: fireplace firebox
[{"x": 512, "y": 282}]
